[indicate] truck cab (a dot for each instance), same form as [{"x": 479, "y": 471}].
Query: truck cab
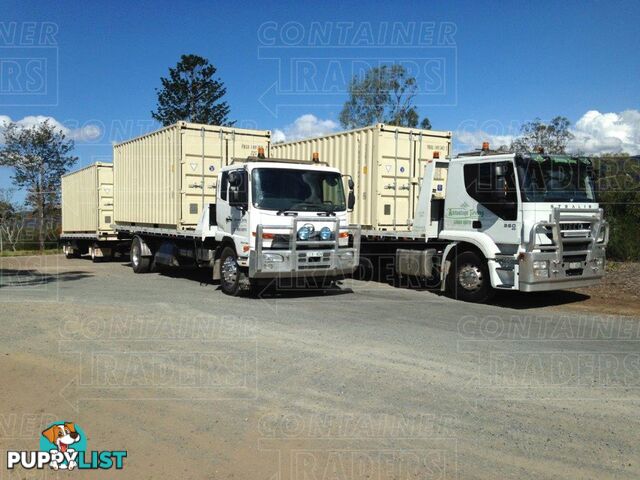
[
  {"x": 527, "y": 222},
  {"x": 279, "y": 218}
]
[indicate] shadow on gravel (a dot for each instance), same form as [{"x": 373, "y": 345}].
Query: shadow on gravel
[
  {"x": 204, "y": 277},
  {"x": 272, "y": 292},
  {"x": 31, "y": 278},
  {"x": 201, "y": 275},
  {"x": 521, "y": 301}
]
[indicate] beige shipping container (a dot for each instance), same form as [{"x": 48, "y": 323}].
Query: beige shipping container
[
  {"x": 166, "y": 177},
  {"x": 87, "y": 201},
  {"x": 386, "y": 163}
]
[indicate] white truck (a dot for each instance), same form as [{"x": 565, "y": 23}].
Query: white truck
[
  {"x": 271, "y": 219},
  {"x": 526, "y": 222}
]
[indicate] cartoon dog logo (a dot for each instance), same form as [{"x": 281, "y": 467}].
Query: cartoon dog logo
[{"x": 62, "y": 436}]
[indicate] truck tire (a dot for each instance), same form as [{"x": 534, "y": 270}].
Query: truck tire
[
  {"x": 72, "y": 254},
  {"x": 94, "y": 257},
  {"x": 468, "y": 278},
  {"x": 230, "y": 272},
  {"x": 139, "y": 263}
]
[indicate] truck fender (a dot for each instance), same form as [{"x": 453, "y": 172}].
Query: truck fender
[
  {"x": 446, "y": 264},
  {"x": 215, "y": 263}
]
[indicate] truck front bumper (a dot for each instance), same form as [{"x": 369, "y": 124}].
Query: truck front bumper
[
  {"x": 574, "y": 258},
  {"x": 306, "y": 259},
  {"x": 539, "y": 271},
  {"x": 302, "y": 263}
]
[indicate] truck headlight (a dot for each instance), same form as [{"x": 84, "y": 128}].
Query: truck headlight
[
  {"x": 325, "y": 233},
  {"x": 273, "y": 257},
  {"x": 541, "y": 265},
  {"x": 303, "y": 233},
  {"x": 346, "y": 256},
  {"x": 541, "y": 269}
]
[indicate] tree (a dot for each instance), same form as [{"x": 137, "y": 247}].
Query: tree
[
  {"x": 39, "y": 155},
  {"x": 383, "y": 95},
  {"x": 12, "y": 221},
  {"x": 191, "y": 93},
  {"x": 551, "y": 137},
  {"x": 618, "y": 186},
  {"x": 425, "y": 124}
]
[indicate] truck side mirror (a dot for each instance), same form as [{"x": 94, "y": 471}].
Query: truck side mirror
[
  {"x": 238, "y": 195},
  {"x": 351, "y": 200},
  {"x": 351, "y": 184},
  {"x": 500, "y": 172}
]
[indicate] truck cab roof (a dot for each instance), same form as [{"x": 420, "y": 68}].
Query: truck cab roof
[{"x": 256, "y": 162}]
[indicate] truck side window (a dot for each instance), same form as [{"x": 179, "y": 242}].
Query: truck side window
[
  {"x": 493, "y": 186},
  {"x": 224, "y": 185}
]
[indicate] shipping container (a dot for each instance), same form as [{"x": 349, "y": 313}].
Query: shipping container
[
  {"x": 386, "y": 163},
  {"x": 87, "y": 201},
  {"x": 167, "y": 177}
]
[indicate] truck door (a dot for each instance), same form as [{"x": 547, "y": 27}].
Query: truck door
[
  {"x": 491, "y": 203},
  {"x": 232, "y": 213}
]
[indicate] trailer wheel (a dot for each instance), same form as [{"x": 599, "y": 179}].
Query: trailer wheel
[
  {"x": 230, "y": 272},
  {"x": 139, "y": 263},
  {"x": 73, "y": 253},
  {"x": 468, "y": 280}
]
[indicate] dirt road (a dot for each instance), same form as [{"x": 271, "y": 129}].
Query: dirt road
[{"x": 365, "y": 382}]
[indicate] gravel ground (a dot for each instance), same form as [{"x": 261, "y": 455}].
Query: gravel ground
[{"x": 368, "y": 381}]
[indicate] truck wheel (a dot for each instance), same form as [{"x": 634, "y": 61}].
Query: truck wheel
[
  {"x": 72, "y": 253},
  {"x": 139, "y": 263},
  {"x": 94, "y": 257},
  {"x": 468, "y": 279},
  {"x": 229, "y": 272}
]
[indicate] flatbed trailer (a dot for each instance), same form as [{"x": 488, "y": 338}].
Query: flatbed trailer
[
  {"x": 87, "y": 214},
  {"x": 99, "y": 247}
]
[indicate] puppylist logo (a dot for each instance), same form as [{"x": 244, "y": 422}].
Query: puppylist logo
[{"x": 63, "y": 446}]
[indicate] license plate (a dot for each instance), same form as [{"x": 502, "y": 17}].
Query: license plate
[
  {"x": 314, "y": 254},
  {"x": 575, "y": 265}
]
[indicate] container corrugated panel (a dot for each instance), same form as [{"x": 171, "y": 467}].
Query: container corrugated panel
[
  {"x": 87, "y": 200},
  {"x": 165, "y": 178},
  {"x": 386, "y": 163}
]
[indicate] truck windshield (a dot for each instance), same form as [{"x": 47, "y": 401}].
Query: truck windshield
[
  {"x": 298, "y": 190},
  {"x": 555, "y": 178}
]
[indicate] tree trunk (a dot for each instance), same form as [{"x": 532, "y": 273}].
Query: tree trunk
[{"x": 41, "y": 220}]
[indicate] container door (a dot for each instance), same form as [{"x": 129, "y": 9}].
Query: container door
[
  {"x": 394, "y": 179},
  {"x": 105, "y": 198},
  {"x": 203, "y": 155}
]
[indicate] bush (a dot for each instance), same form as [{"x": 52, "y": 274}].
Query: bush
[{"x": 618, "y": 182}]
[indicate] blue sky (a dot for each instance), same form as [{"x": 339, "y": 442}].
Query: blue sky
[{"x": 484, "y": 67}]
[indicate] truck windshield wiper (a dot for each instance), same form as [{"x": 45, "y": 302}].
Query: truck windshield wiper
[
  {"x": 328, "y": 213},
  {"x": 287, "y": 213}
]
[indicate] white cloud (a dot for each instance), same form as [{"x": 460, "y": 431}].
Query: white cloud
[
  {"x": 472, "y": 140},
  {"x": 594, "y": 133},
  {"x": 305, "y": 126},
  {"x": 597, "y": 132},
  {"x": 85, "y": 133}
]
